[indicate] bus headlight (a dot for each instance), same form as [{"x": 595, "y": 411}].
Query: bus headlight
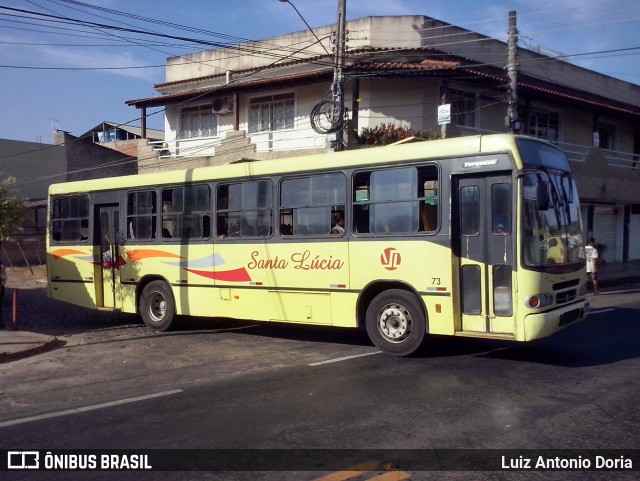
[{"x": 539, "y": 301}]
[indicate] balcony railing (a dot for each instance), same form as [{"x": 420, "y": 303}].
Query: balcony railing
[
  {"x": 200, "y": 147},
  {"x": 264, "y": 142},
  {"x": 625, "y": 160}
]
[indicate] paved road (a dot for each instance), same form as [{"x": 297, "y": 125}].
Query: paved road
[{"x": 225, "y": 385}]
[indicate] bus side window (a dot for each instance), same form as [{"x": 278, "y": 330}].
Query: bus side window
[
  {"x": 84, "y": 229},
  {"x": 141, "y": 216},
  {"x": 361, "y": 219},
  {"x": 361, "y": 197},
  {"x": 400, "y": 200},
  {"x": 222, "y": 227},
  {"x": 428, "y": 192},
  {"x": 310, "y": 205},
  {"x": 70, "y": 219},
  {"x": 206, "y": 226},
  {"x": 244, "y": 209},
  {"x": 428, "y": 217},
  {"x": 286, "y": 229}
]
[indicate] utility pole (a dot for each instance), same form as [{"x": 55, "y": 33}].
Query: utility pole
[
  {"x": 328, "y": 117},
  {"x": 512, "y": 120},
  {"x": 338, "y": 81}
]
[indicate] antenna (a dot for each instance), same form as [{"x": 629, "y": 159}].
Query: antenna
[{"x": 55, "y": 125}]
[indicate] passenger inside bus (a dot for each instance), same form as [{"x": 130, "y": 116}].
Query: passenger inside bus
[
  {"x": 222, "y": 228},
  {"x": 338, "y": 224}
]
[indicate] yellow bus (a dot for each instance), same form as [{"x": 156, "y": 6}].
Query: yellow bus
[{"x": 474, "y": 236}]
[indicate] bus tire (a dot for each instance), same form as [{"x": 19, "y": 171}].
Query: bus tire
[
  {"x": 157, "y": 306},
  {"x": 396, "y": 322}
]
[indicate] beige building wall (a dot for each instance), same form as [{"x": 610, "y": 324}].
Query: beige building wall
[{"x": 35, "y": 166}]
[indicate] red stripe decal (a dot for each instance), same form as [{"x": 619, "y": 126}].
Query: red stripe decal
[{"x": 235, "y": 275}]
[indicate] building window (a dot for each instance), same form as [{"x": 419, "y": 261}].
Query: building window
[
  {"x": 273, "y": 112},
  {"x": 605, "y": 136},
  {"x": 197, "y": 122},
  {"x": 463, "y": 107},
  {"x": 313, "y": 206},
  {"x": 70, "y": 219},
  {"x": 186, "y": 212},
  {"x": 244, "y": 209},
  {"x": 543, "y": 124},
  {"x": 141, "y": 215}
]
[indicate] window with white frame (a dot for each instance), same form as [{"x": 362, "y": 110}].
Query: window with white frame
[
  {"x": 271, "y": 112},
  {"x": 199, "y": 121},
  {"x": 543, "y": 125}
]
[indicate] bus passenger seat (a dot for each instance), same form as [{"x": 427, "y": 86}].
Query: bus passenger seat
[{"x": 429, "y": 217}]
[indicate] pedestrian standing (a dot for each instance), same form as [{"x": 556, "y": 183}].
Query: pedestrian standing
[{"x": 591, "y": 253}]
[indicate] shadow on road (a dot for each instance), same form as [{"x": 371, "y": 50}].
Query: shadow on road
[
  {"x": 600, "y": 339},
  {"x": 604, "y": 338}
]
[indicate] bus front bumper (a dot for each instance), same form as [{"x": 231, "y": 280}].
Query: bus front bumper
[{"x": 537, "y": 326}]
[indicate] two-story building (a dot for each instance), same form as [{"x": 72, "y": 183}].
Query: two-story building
[{"x": 256, "y": 100}]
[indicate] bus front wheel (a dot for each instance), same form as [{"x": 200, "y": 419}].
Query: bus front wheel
[
  {"x": 396, "y": 322},
  {"x": 157, "y": 306}
]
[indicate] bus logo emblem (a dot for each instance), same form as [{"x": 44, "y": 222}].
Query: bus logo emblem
[{"x": 390, "y": 259}]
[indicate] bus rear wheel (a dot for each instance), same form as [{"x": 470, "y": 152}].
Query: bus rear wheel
[
  {"x": 396, "y": 322},
  {"x": 157, "y": 306}
]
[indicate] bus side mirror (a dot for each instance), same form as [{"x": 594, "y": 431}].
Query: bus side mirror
[{"x": 542, "y": 195}]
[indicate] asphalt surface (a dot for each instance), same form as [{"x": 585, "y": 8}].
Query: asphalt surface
[
  {"x": 116, "y": 351},
  {"x": 26, "y": 332}
]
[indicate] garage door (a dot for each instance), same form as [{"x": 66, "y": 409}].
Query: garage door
[{"x": 604, "y": 230}]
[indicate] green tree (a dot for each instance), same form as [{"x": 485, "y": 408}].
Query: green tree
[{"x": 12, "y": 210}]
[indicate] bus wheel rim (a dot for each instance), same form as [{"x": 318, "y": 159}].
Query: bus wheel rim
[
  {"x": 394, "y": 323},
  {"x": 158, "y": 307}
]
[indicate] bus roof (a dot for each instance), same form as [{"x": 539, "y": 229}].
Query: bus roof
[{"x": 433, "y": 149}]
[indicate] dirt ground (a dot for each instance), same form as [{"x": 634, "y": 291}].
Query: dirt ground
[{"x": 26, "y": 277}]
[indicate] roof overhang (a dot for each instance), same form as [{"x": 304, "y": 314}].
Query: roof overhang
[
  {"x": 324, "y": 74},
  {"x": 378, "y": 63}
]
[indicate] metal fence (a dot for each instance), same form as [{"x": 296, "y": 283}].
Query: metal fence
[{"x": 23, "y": 251}]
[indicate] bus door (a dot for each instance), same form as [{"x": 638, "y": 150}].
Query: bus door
[
  {"x": 484, "y": 245},
  {"x": 108, "y": 233}
]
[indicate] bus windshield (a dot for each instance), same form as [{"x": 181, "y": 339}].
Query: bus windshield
[{"x": 552, "y": 231}]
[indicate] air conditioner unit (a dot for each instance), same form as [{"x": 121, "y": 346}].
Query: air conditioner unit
[{"x": 222, "y": 105}]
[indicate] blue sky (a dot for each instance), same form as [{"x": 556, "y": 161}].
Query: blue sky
[{"x": 44, "y": 65}]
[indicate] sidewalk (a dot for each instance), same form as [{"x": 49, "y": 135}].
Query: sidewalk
[
  {"x": 20, "y": 344},
  {"x": 613, "y": 274}
]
